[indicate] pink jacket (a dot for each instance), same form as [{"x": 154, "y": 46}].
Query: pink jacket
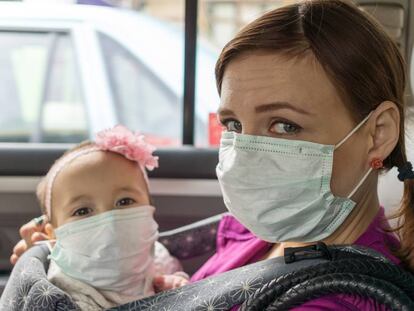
[{"x": 236, "y": 247}]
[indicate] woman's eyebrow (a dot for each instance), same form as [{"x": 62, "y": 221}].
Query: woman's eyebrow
[
  {"x": 223, "y": 112},
  {"x": 279, "y": 105}
]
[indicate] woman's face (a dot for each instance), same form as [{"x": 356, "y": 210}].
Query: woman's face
[{"x": 269, "y": 94}]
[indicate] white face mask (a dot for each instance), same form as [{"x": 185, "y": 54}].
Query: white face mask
[
  {"x": 280, "y": 189},
  {"x": 112, "y": 251}
]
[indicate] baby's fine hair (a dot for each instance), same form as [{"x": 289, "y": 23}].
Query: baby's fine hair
[{"x": 41, "y": 187}]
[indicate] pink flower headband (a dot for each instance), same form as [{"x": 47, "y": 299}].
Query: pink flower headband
[{"x": 119, "y": 140}]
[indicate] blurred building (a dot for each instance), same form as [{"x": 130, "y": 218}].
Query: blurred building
[{"x": 219, "y": 20}]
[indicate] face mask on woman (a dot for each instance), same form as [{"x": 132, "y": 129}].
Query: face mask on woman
[{"x": 280, "y": 189}]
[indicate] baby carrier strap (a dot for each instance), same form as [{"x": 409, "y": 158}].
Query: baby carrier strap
[
  {"x": 28, "y": 288},
  {"x": 312, "y": 271}
]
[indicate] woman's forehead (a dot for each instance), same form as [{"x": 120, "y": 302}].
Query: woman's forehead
[{"x": 261, "y": 78}]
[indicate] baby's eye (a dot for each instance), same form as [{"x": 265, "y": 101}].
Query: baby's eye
[
  {"x": 232, "y": 126},
  {"x": 284, "y": 128},
  {"x": 82, "y": 211},
  {"x": 125, "y": 202}
]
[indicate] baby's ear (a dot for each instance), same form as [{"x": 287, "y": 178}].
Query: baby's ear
[{"x": 50, "y": 231}]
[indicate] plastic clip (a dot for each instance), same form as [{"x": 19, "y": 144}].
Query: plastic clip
[{"x": 315, "y": 251}]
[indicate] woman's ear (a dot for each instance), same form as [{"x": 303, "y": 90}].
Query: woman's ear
[
  {"x": 50, "y": 231},
  {"x": 385, "y": 130}
]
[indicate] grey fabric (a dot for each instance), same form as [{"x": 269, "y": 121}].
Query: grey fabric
[
  {"x": 28, "y": 288},
  {"x": 3, "y": 281},
  {"x": 231, "y": 288},
  {"x": 220, "y": 292},
  {"x": 193, "y": 240}
]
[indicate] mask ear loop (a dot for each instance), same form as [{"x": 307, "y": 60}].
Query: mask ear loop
[
  {"x": 344, "y": 140},
  {"x": 360, "y": 183},
  {"x": 47, "y": 242},
  {"x": 353, "y": 131}
]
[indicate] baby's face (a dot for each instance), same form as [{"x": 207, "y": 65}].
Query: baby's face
[{"x": 96, "y": 183}]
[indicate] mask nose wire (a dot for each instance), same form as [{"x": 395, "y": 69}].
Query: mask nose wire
[{"x": 353, "y": 131}]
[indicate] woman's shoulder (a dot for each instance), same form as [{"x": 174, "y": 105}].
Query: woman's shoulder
[
  {"x": 380, "y": 238},
  {"x": 377, "y": 237}
]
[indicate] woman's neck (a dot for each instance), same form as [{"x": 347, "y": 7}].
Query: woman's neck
[
  {"x": 355, "y": 224},
  {"x": 359, "y": 219}
]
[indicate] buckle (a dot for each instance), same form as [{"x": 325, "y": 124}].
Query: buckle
[{"x": 315, "y": 251}]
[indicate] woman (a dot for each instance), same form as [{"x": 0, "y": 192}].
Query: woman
[{"x": 312, "y": 98}]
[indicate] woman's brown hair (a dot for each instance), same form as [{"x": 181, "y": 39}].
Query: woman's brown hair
[{"x": 358, "y": 56}]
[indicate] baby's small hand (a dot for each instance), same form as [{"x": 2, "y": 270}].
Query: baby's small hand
[{"x": 168, "y": 281}]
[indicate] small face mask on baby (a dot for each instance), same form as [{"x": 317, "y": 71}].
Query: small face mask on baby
[
  {"x": 110, "y": 251},
  {"x": 280, "y": 189}
]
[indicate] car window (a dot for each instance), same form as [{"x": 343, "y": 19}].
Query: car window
[
  {"x": 63, "y": 115},
  {"x": 218, "y": 23},
  {"x": 143, "y": 101},
  {"x": 20, "y": 93},
  {"x": 40, "y": 94}
]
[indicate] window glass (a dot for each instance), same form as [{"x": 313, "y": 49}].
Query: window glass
[
  {"x": 63, "y": 113},
  {"x": 170, "y": 67},
  {"x": 21, "y": 92},
  {"x": 135, "y": 67},
  {"x": 144, "y": 101},
  {"x": 219, "y": 21},
  {"x": 146, "y": 71},
  {"x": 40, "y": 95}
]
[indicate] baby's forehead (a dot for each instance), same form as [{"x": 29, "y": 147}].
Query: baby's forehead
[
  {"x": 98, "y": 172},
  {"x": 97, "y": 164},
  {"x": 96, "y": 159}
]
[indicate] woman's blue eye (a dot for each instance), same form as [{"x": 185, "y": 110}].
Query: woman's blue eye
[
  {"x": 284, "y": 128},
  {"x": 82, "y": 211},
  {"x": 233, "y": 126},
  {"x": 125, "y": 202}
]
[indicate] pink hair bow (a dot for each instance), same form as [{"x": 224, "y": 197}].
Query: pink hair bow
[{"x": 131, "y": 145}]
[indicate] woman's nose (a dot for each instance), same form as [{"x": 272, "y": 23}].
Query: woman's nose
[{"x": 253, "y": 129}]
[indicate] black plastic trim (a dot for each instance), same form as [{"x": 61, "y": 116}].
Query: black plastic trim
[
  {"x": 190, "y": 51},
  {"x": 184, "y": 162}
]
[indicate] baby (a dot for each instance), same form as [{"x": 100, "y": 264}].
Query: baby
[{"x": 97, "y": 200}]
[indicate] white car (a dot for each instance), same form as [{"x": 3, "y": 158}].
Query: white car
[{"x": 68, "y": 71}]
